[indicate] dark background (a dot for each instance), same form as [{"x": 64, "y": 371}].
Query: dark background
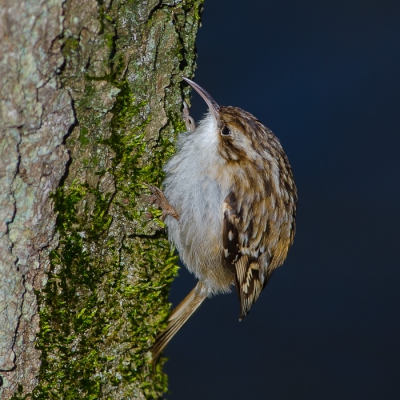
[{"x": 325, "y": 77}]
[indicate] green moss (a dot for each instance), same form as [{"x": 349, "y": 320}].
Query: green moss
[
  {"x": 79, "y": 317},
  {"x": 69, "y": 45},
  {"x": 83, "y": 136},
  {"x": 106, "y": 296}
]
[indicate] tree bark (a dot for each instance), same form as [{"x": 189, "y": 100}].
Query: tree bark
[{"x": 91, "y": 101}]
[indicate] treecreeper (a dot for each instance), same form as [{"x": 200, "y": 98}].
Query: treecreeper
[{"x": 229, "y": 204}]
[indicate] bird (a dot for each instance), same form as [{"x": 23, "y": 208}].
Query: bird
[{"x": 229, "y": 206}]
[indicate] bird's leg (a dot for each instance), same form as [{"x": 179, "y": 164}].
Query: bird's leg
[
  {"x": 158, "y": 198},
  {"x": 189, "y": 121}
]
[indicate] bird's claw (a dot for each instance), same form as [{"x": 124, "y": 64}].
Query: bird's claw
[
  {"x": 158, "y": 198},
  {"x": 189, "y": 121}
]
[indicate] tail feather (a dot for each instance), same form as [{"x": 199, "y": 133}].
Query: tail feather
[{"x": 178, "y": 318}]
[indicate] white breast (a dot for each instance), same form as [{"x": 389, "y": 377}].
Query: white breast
[{"x": 196, "y": 187}]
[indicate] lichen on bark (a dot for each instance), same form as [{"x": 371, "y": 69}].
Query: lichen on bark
[
  {"x": 35, "y": 114},
  {"x": 106, "y": 295}
]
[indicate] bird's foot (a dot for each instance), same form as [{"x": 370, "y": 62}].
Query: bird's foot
[
  {"x": 158, "y": 198},
  {"x": 189, "y": 121}
]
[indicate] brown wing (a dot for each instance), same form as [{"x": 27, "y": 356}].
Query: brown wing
[{"x": 243, "y": 261}]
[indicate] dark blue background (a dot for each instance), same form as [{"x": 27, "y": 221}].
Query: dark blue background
[{"x": 324, "y": 76}]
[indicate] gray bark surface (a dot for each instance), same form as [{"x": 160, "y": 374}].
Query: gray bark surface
[{"x": 35, "y": 114}]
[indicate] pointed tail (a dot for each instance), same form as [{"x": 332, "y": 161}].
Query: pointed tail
[{"x": 178, "y": 318}]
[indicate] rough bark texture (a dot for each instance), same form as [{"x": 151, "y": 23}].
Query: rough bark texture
[
  {"x": 83, "y": 296},
  {"x": 36, "y": 114}
]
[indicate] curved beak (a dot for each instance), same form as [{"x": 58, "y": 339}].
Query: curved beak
[{"x": 211, "y": 103}]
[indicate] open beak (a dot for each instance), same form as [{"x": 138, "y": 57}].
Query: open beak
[{"x": 211, "y": 103}]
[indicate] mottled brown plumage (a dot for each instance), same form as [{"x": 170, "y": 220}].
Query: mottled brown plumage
[
  {"x": 233, "y": 197},
  {"x": 259, "y": 212}
]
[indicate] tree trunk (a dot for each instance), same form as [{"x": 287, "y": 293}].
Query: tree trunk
[{"x": 91, "y": 101}]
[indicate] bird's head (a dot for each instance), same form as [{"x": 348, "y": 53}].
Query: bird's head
[{"x": 240, "y": 136}]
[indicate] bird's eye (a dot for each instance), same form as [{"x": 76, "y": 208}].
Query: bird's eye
[{"x": 226, "y": 131}]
